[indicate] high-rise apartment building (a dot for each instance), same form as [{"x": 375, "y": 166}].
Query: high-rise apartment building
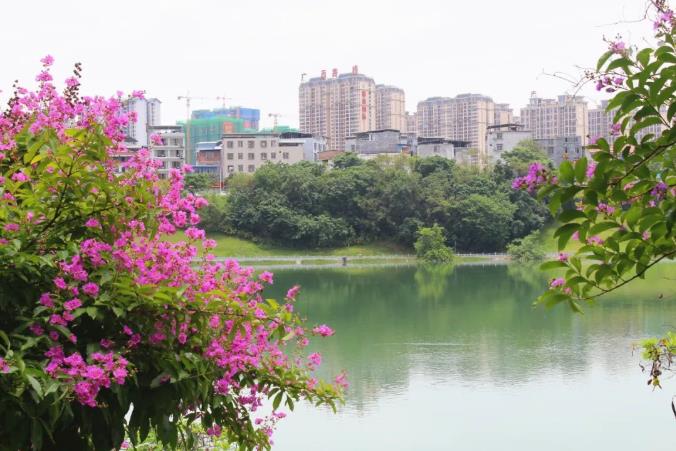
[
  {"x": 554, "y": 118},
  {"x": 412, "y": 123},
  {"x": 390, "y": 108},
  {"x": 601, "y": 122},
  {"x": 147, "y": 115},
  {"x": 337, "y": 107},
  {"x": 463, "y": 118},
  {"x": 503, "y": 114}
]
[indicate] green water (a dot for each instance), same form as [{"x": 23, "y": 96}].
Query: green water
[{"x": 458, "y": 359}]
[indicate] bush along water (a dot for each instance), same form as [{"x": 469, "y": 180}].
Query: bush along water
[{"x": 107, "y": 329}]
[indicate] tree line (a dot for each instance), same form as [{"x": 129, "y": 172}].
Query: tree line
[{"x": 306, "y": 205}]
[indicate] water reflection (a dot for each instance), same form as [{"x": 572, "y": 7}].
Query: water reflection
[{"x": 468, "y": 330}]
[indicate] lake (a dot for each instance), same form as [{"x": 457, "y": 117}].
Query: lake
[{"x": 457, "y": 358}]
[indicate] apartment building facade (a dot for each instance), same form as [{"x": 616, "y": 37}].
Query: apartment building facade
[
  {"x": 246, "y": 152},
  {"x": 171, "y": 151},
  {"x": 601, "y": 122},
  {"x": 390, "y": 108},
  {"x": 461, "y": 118},
  {"x": 566, "y": 116},
  {"x": 337, "y": 107},
  {"x": 503, "y": 138},
  {"x": 148, "y": 114}
]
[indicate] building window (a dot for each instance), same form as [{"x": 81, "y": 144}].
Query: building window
[
  {"x": 273, "y": 143},
  {"x": 251, "y": 168},
  {"x": 273, "y": 155},
  {"x": 251, "y": 156},
  {"x": 240, "y": 167},
  {"x": 264, "y": 156},
  {"x": 498, "y": 136},
  {"x": 498, "y": 147},
  {"x": 264, "y": 143},
  {"x": 285, "y": 155},
  {"x": 231, "y": 168},
  {"x": 231, "y": 156},
  {"x": 240, "y": 156},
  {"x": 230, "y": 144},
  {"x": 240, "y": 143},
  {"x": 175, "y": 164},
  {"x": 251, "y": 144},
  {"x": 161, "y": 153}
]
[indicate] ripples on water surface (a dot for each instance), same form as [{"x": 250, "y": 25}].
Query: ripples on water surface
[{"x": 443, "y": 358}]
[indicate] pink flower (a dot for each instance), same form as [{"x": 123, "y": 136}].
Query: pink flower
[
  {"x": 72, "y": 82},
  {"x": 617, "y": 47},
  {"x": 214, "y": 322},
  {"x": 47, "y": 61},
  {"x": 341, "y": 380},
  {"x": 323, "y": 330},
  {"x": 91, "y": 289},
  {"x": 595, "y": 240},
  {"x": 60, "y": 283},
  {"x": 645, "y": 235},
  {"x": 72, "y": 304},
  {"x": 266, "y": 276},
  {"x": 92, "y": 223},
  {"x": 293, "y": 292},
  {"x": 563, "y": 257},
  {"x": 4, "y": 367},
  {"x": 11, "y": 227},
  {"x": 156, "y": 139},
  {"x": 315, "y": 359},
  {"x": 557, "y": 282},
  {"x": 37, "y": 329},
  {"x": 19, "y": 177},
  {"x": 214, "y": 431},
  {"x": 591, "y": 168}
]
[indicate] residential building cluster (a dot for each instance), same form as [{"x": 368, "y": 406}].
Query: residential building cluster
[{"x": 350, "y": 112}]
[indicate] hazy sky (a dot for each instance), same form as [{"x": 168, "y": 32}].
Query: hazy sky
[{"x": 255, "y": 51}]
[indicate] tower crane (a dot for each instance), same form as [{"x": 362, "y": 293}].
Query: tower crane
[{"x": 275, "y": 116}]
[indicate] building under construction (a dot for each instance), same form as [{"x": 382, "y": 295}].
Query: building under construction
[{"x": 211, "y": 125}]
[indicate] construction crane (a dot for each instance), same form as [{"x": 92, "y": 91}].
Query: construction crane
[
  {"x": 223, "y": 99},
  {"x": 275, "y": 116},
  {"x": 188, "y": 99}
]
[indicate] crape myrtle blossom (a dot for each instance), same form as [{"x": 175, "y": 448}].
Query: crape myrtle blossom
[{"x": 215, "y": 311}]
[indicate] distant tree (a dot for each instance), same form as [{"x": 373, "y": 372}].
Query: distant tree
[
  {"x": 426, "y": 166},
  {"x": 527, "y": 249},
  {"x": 524, "y": 154},
  {"x": 199, "y": 183},
  {"x": 481, "y": 223},
  {"x": 346, "y": 160},
  {"x": 431, "y": 245}
]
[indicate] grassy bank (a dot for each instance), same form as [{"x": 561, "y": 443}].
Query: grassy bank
[{"x": 230, "y": 246}]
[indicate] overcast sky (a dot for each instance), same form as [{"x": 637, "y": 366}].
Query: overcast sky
[{"x": 255, "y": 51}]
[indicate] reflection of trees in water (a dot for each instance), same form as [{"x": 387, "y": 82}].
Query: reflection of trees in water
[
  {"x": 480, "y": 328},
  {"x": 432, "y": 280}
]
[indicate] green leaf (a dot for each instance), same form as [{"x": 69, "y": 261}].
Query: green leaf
[
  {"x": 603, "y": 226},
  {"x": 603, "y": 60},
  {"x": 570, "y": 215},
  {"x": 35, "y": 385},
  {"x": 277, "y": 400},
  {"x": 565, "y": 232},
  {"x": 581, "y": 169},
  {"x": 566, "y": 173},
  {"x": 643, "y": 56},
  {"x": 552, "y": 265}
]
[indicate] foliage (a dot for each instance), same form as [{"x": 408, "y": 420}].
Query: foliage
[
  {"x": 199, "y": 183},
  {"x": 109, "y": 329},
  {"x": 527, "y": 249},
  {"x": 619, "y": 202},
  {"x": 524, "y": 154},
  {"x": 431, "y": 245},
  {"x": 346, "y": 160},
  {"x": 305, "y": 206}
]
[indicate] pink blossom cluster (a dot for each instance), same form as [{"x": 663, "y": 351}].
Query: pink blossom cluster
[
  {"x": 610, "y": 84},
  {"x": 536, "y": 176},
  {"x": 87, "y": 377},
  {"x": 220, "y": 313}
]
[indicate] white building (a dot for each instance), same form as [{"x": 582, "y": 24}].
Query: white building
[
  {"x": 246, "y": 152},
  {"x": 171, "y": 152},
  {"x": 310, "y": 144},
  {"x": 503, "y": 138},
  {"x": 147, "y": 115},
  {"x": 441, "y": 147}
]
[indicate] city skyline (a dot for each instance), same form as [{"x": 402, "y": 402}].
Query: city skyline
[{"x": 202, "y": 53}]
